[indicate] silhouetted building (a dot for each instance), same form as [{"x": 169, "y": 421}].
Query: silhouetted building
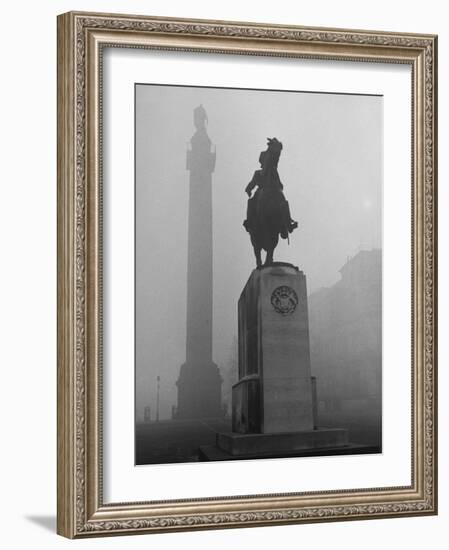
[
  {"x": 346, "y": 347},
  {"x": 199, "y": 382}
]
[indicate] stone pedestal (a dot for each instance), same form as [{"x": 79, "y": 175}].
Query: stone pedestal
[
  {"x": 274, "y": 358},
  {"x": 274, "y": 400}
]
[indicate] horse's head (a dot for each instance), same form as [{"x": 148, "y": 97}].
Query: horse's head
[{"x": 272, "y": 154}]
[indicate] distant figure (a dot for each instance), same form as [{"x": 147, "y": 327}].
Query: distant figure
[{"x": 268, "y": 211}]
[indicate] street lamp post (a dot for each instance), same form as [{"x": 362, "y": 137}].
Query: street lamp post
[{"x": 157, "y": 398}]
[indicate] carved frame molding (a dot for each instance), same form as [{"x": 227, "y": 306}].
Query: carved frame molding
[{"x": 81, "y": 37}]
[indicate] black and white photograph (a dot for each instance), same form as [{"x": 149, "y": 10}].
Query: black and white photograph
[
  {"x": 258, "y": 273},
  {"x": 224, "y": 284}
]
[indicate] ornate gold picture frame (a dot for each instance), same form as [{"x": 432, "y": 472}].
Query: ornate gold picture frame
[{"x": 82, "y": 508}]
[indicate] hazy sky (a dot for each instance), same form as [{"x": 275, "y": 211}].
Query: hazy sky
[{"x": 331, "y": 168}]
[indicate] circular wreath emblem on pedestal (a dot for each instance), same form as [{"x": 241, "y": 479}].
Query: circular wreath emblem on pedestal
[{"x": 284, "y": 300}]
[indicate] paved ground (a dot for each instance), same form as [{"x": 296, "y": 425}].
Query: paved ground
[
  {"x": 170, "y": 441},
  {"x": 362, "y": 431},
  {"x": 176, "y": 440}
]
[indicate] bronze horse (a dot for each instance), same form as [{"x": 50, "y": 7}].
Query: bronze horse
[{"x": 268, "y": 212}]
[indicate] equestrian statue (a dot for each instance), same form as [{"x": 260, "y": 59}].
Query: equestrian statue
[{"x": 268, "y": 211}]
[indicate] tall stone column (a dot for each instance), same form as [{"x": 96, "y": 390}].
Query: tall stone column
[{"x": 199, "y": 382}]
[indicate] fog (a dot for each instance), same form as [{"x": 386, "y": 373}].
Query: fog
[{"x": 331, "y": 168}]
